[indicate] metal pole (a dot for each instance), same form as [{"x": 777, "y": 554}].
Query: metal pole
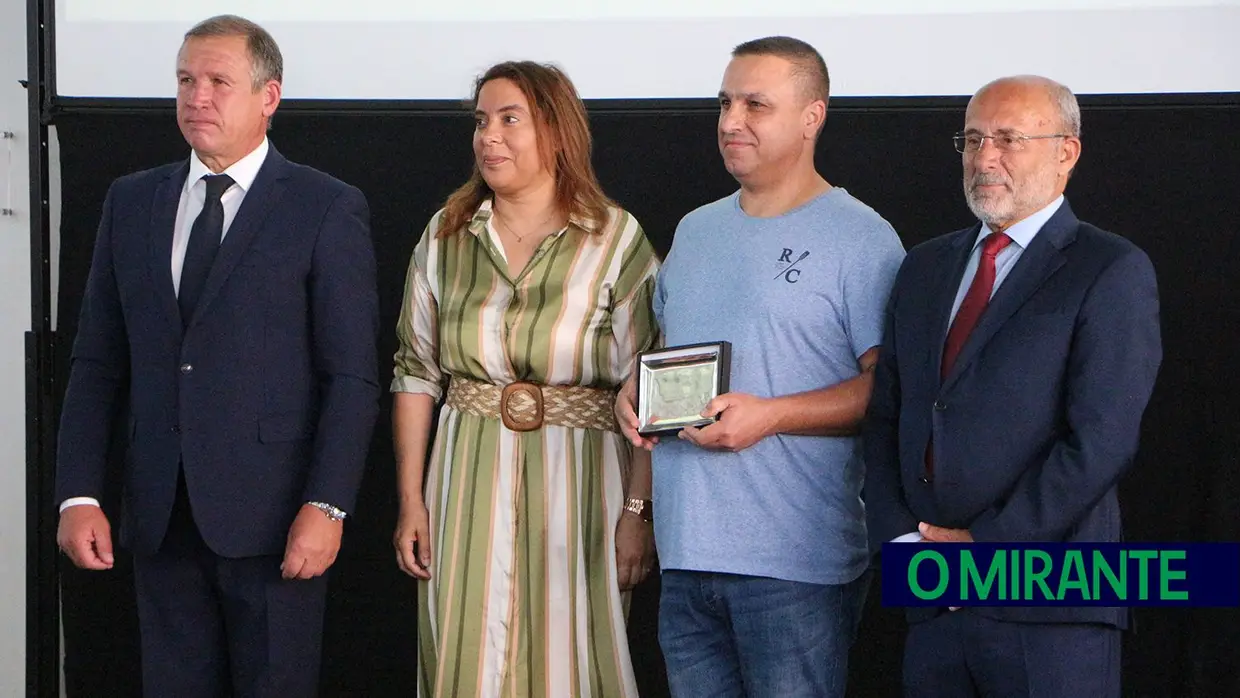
[{"x": 42, "y": 579}]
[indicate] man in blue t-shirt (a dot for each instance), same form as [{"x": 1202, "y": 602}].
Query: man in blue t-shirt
[{"x": 759, "y": 519}]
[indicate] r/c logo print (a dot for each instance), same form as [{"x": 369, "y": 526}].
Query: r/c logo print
[{"x": 790, "y": 273}]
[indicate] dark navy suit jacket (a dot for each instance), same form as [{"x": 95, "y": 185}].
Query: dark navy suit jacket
[
  {"x": 1039, "y": 417},
  {"x": 268, "y": 398}
]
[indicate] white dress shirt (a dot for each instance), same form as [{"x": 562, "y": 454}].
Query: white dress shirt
[{"x": 193, "y": 194}]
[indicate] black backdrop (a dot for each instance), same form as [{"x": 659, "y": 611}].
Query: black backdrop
[{"x": 1164, "y": 175}]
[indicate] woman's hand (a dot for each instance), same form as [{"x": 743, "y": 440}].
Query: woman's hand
[
  {"x": 413, "y": 540},
  {"x": 625, "y": 410},
  {"x": 634, "y": 550}
]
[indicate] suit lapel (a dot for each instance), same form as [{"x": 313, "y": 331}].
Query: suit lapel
[
  {"x": 1035, "y": 266},
  {"x": 264, "y": 194},
  {"x": 163, "y": 224},
  {"x": 954, "y": 256}
]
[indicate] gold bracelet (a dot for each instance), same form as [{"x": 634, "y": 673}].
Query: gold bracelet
[{"x": 642, "y": 507}]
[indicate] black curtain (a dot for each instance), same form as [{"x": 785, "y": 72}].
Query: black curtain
[{"x": 1164, "y": 177}]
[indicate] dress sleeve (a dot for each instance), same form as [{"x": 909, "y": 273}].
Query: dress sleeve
[
  {"x": 633, "y": 324},
  {"x": 416, "y": 360}
]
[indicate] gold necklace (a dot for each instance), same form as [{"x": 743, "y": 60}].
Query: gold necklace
[{"x": 521, "y": 238}]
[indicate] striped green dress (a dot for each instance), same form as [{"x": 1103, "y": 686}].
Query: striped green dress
[{"x": 524, "y": 600}]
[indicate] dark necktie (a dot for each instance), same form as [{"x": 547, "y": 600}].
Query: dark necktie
[
  {"x": 975, "y": 301},
  {"x": 204, "y": 242}
]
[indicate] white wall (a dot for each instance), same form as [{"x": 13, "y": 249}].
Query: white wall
[
  {"x": 887, "y": 48},
  {"x": 14, "y": 322}
]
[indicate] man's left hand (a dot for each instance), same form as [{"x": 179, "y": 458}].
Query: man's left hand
[
  {"x": 313, "y": 542},
  {"x": 743, "y": 421},
  {"x": 938, "y": 534}
]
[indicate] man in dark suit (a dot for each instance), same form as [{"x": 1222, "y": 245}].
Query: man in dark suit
[
  {"x": 231, "y": 312},
  {"x": 1018, "y": 357}
]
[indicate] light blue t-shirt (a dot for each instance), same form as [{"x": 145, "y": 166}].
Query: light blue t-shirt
[{"x": 800, "y": 296}]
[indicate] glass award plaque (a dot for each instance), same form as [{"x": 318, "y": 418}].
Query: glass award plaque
[{"x": 674, "y": 384}]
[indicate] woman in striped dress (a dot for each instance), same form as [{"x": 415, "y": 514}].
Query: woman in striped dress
[{"x": 525, "y": 535}]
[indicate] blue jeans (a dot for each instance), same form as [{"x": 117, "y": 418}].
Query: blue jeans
[{"x": 732, "y": 636}]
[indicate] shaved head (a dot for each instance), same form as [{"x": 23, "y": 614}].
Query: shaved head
[{"x": 808, "y": 67}]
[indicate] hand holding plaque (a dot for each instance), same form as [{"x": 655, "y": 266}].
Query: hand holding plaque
[{"x": 675, "y": 384}]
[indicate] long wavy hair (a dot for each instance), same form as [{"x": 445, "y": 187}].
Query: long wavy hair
[{"x": 564, "y": 145}]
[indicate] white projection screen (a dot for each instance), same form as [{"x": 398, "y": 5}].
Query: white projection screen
[{"x": 661, "y": 49}]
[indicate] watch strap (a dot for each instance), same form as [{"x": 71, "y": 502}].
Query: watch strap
[{"x": 333, "y": 513}]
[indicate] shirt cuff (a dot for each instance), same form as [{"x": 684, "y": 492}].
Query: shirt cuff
[
  {"x": 75, "y": 501},
  {"x": 914, "y": 537}
]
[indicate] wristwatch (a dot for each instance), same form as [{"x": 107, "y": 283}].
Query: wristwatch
[
  {"x": 642, "y": 507},
  {"x": 333, "y": 513}
]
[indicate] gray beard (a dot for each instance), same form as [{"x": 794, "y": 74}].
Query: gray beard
[{"x": 990, "y": 212}]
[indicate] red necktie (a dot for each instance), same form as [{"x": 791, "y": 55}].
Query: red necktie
[{"x": 975, "y": 302}]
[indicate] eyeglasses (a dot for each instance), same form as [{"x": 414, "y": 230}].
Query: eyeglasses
[{"x": 1007, "y": 141}]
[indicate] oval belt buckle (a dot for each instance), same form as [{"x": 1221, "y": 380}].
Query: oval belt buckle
[{"x": 521, "y": 390}]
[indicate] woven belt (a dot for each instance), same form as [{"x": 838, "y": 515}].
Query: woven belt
[{"x": 525, "y": 406}]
